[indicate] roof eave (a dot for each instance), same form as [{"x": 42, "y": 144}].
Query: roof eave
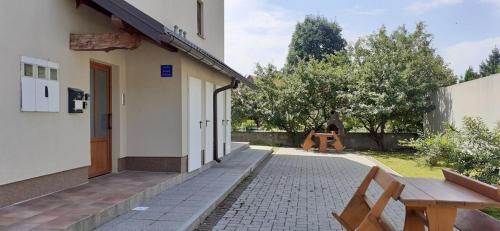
[{"x": 161, "y": 34}]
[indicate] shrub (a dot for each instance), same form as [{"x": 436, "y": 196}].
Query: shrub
[
  {"x": 248, "y": 125},
  {"x": 479, "y": 155},
  {"x": 473, "y": 150},
  {"x": 434, "y": 147}
]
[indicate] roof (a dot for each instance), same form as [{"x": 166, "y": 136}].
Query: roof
[{"x": 160, "y": 34}]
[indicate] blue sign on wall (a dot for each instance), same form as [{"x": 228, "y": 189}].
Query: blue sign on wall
[{"x": 166, "y": 71}]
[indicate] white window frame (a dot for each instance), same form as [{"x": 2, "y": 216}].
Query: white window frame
[{"x": 200, "y": 22}]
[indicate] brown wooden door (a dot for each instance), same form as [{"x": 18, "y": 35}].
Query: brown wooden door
[{"x": 100, "y": 119}]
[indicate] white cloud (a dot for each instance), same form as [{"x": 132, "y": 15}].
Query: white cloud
[
  {"x": 426, "y": 5},
  {"x": 462, "y": 55},
  {"x": 257, "y": 31}
]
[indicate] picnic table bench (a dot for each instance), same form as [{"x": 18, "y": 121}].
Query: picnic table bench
[
  {"x": 323, "y": 141},
  {"x": 435, "y": 203},
  {"x": 428, "y": 202}
]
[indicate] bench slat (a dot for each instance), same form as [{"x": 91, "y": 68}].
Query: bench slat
[{"x": 475, "y": 220}]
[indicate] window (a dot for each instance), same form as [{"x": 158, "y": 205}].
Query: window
[
  {"x": 53, "y": 74},
  {"x": 199, "y": 13},
  {"x": 41, "y": 72},
  {"x": 28, "y": 70}
]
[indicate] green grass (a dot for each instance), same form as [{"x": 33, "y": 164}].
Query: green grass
[
  {"x": 406, "y": 164},
  {"x": 409, "y": 165}
]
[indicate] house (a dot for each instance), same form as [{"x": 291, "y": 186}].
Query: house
[{"x": 91, "y": 87}]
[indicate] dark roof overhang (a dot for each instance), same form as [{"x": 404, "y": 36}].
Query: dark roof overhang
[{"x": 160, "y": 34}]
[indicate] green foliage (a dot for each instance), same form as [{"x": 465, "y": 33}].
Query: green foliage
[
  {"x": 380, "y": 83},
  {"x": 248, "y": 125},
  {"x": 390, "y": 78},
  {"x": 317, "y": 38},
  {"x": 473, "y": 150},
  {"x": 491, "y": 65},
  {"x": 301, "y": 100},
  {"x": 246, "y": 105},
  {"x": 434, "y": 148},
  {"x": 470, "y": 74}
]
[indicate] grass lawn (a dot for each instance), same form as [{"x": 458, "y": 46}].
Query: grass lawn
[
  {"x": 409, "y": 165},
  {"x": 406, "y": 164}
]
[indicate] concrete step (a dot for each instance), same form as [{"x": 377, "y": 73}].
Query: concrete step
[
  {"x": 104, "y": 198},
  {"x": 186, "y": 205}
]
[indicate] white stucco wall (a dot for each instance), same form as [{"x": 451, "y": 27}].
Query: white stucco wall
[
  {"x": 151, "y": 123},
  {"x": 477, "y": 98},
  {"x": 38, "y": 143},
  {"x": 153, "y": 103},
  {"x": 183, "y": 14}
]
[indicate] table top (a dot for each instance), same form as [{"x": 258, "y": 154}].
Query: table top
[
  {"x": 324, "y": 134},
  {"x": 425, "y": 192}
]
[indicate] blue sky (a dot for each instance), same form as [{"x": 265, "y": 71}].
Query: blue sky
[{"x": 259, "y": 31}]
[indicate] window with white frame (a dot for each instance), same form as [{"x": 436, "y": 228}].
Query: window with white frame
[
  {"x": 39, "y": 85},
  {"x": 199, "y": 18}
]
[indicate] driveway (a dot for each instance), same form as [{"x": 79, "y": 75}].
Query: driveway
[{"x": 298, "y": 190}]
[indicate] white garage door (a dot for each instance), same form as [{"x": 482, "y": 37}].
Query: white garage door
[
  {"x": 195, "y": 124},
  {"x": 209, "y": 123}
]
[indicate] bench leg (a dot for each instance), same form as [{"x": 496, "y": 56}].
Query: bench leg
[
  {"x": 441, "y": 218},
  {"x": 412, "y": 220}
]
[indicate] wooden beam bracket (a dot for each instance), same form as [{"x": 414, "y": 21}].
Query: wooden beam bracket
[{"x": 104, "y": 41}]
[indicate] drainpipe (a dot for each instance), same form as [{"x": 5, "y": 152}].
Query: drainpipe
[{"x": 233, "y": 85}]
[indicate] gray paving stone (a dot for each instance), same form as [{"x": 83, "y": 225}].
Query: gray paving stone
[
  {"x": 164, "y": 226},
  {"x": 127, "y": 225},
  {"x": 184, "y": 206},
  {"x": 298, "y": 191}
]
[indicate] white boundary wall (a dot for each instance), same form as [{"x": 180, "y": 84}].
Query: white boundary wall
[{"x": 476, "y": 98}]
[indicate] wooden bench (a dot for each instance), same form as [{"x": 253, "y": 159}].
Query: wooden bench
[
  {"x": 470, "y": 219},
  {"x": 363, "y": 215},
  {"x": 475, "y": 220},
  {"x": 337, "y": 143},
  {"x": 308, "y": 142}
]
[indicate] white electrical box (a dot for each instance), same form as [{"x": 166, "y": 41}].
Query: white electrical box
[{"x": 39, "y": 85}]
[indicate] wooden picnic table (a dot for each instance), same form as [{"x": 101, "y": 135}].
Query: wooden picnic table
[
  {"x": 435, "y": 202},
  {"x": 323, "y": 139}
]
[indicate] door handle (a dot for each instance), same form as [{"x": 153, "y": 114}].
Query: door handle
[
  {"x": 46, "y": 92},
  {"x": 109, "y": 121},
  {"x": 206, "y": 123},
  {"x": 200, "y": 124}
]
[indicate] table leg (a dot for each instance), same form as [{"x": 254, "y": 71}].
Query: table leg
[
  {"x": 413, "y": 222},
  {"x": 322, "y": 144},
  {"x": 441, "y": 218}
]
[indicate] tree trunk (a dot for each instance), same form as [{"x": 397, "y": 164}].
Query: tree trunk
[{"x": 378, "y": 137}]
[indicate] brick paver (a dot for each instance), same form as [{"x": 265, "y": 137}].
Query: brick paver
[{"x": 298, "y": 191}]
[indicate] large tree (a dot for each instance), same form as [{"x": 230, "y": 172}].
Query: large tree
[
  {"x": 491, "y": 65},
  {"x": 316, "y": 37},
  {"x": 391, "y": 77},
  {"x": 297, "y": 101}
]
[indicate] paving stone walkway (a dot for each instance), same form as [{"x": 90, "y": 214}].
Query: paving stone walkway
[
  {"x": 297, "y": 190},
  {"x": 183, "y": 207}
]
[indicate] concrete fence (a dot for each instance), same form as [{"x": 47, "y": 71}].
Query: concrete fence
[
  {"x": 357, "y": 141},
  {"x": 476, "y": 98}
]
